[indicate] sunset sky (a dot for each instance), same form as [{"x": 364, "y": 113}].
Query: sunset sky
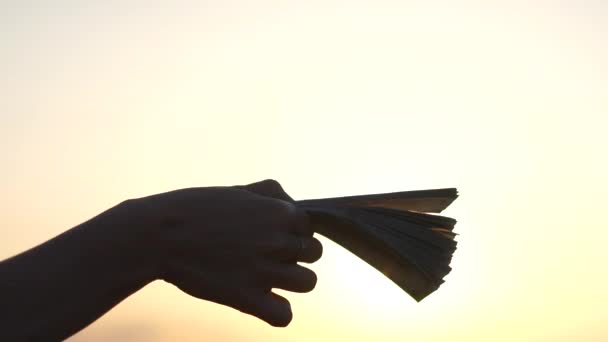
[{"x": 101, "y": 101}]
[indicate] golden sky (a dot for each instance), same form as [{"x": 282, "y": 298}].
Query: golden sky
[{"x": 101, "y": 101}]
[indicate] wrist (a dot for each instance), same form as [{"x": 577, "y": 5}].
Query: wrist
[
  {"x": 146, "y": 235},
  {"x": 130, "y": 247}
]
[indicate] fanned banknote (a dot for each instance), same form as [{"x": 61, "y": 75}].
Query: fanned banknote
[{"x": 393, "y": 233}]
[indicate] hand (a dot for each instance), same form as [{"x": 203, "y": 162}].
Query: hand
[{"x": 232, "y": 245}]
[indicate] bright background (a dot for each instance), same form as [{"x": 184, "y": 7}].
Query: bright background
[{"x": 101, "y": 101}]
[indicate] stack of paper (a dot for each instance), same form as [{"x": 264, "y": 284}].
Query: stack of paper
[{"x": 393, "y": 233}]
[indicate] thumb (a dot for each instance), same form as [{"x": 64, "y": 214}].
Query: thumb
[{"x": 269, "y": 188}]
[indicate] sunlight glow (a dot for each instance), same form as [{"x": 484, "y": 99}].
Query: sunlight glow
[{"x": 506, "y": 100}]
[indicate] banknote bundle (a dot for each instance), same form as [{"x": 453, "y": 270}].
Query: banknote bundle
[{"x": 394, "y": 233}]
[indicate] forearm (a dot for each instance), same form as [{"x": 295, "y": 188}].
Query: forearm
[{"x": 57, "y": 288}]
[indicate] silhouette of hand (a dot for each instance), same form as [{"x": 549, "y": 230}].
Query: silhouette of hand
[{"x": 232, "y": 245}]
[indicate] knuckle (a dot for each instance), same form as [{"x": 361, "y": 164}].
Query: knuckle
[
  {"x": 308, "y": 279},
  {"x": 282, "y": 212},
  {"x": 302, "y": 223},
  {"x": 317, "y": 248},
  {"x": 280, "y": 243},
  {"x": 312, "y": 252},
  {"x": 265, "y": 274},
  {"x": 257, "y": 278},
  {"x": 250, "y": 303},
  {"x": 271, "y": 184}
]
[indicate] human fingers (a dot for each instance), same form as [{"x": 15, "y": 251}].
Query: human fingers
[
  {"x": 288, "y": 276},
  {"x": 269, "y": 307},
  {"x": 295, "y": 248},
  {"x": 254, "y": 300},
  {"x": 287, "y": 247},
  {"x": 311, "y": 250}
]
